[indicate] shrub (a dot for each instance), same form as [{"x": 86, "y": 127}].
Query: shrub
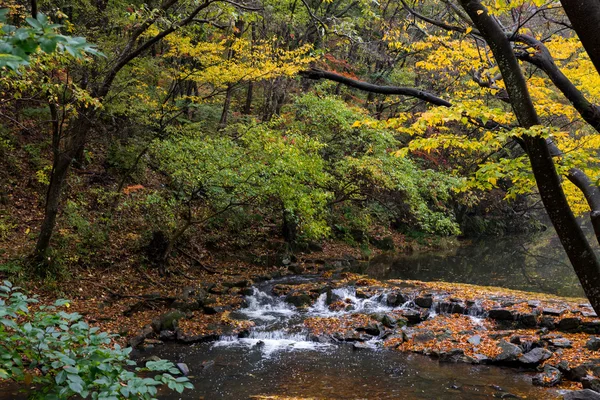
[{"x": 62, "y": 356}]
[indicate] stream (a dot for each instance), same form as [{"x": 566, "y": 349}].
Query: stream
[{"x": 279, "y": 357}]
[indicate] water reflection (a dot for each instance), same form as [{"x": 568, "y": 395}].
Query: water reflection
[{"x": 535, "y": 263}]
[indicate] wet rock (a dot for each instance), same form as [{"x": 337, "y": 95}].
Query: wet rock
[
  {"x": 577, "y": 373},
  {"x": 183, "y": 368},
  {"x": 331, "y": 297},
  {"x": 481, "y": 358},
  {"x": 591, "y": 327},
  {"x": 211, "y": 310},
  {"x": 569, "y": 324},
  {"x": 591, "y": 382},
  {"x": 506, "y": 396},
  {"x": 453, "y": 356},
  {"x": 167, "y": 335},
  {"x": 396, "y": 299},
  {"x": 351, "y": 336},
  {"x": 299, "y": 299},
  {"x": 360, "y": 346},
  {"x": 555, "y": 312},
  {"x": 501, "y": 314},
  {"x": 373, "y": 329},
  {"x": 550, "y": 377},
  {"x": 388, "y": 321},
  {"x": 295, "y": 268},
  {"x": 510, "y": 352},
  {"x": 585, "y": 394},
  {"x": 424, "y": 301},
  {"x": 242, "y": 283},
  {"x": 451, "y": 308},
  {"x": 533, "y": 303},
  {"x": 247, "y": 291},
  {"x": 547, "y": 322},
  {"x": 593, "y": 344},
  {"x": 528, "y": 320},
  {"x": 589, "y": 314},
  {"x": 474, "y": 340},
  {"x": 412, "y": 316},
  {"x": 424, "y": 336},
  {"x": 535, "y": 356},
  {"x": 196, "y": 338},
  {"x": 560, "y": 343}
]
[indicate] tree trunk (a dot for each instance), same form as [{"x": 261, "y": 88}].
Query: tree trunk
[
  {"x": 585, "y": 19},
  {"x": 60, "y": 169},
  {"x": 576, "y": 245}
]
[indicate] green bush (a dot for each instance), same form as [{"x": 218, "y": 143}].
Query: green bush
[{"x": 62, "y": 356}]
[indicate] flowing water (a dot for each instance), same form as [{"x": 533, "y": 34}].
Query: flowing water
[{"x": 279, "y": 357}]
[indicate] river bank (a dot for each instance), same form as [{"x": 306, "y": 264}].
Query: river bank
[{"x": 315, "y": 313}]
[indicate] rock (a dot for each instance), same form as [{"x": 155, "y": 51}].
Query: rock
[
  {"x": 501, "y": 314},
  {"x": 211, "y": 310},
  {"x": 591, "y": 382},
  {"x": 547, "y": 322},
  {"x": 506, "y": 395},
  {"x": 146, "y": 332},
  {"x": 552, "y": 311},
  {"x": 242, "y": 283},
  {"x": 388, "y": 321},
  {"x": 167, "y": 335},
  {"x": 528, "y": 320},
  {"x": 351, "y": 336},
  {"x": 360, "y": 346},
  {"x": 247, "y": 291},
  {"x": 373, "y": 329},
  {"x": 589, "y": 314},
  {"x": 451, "y": 308},
  {"x": 424, "y": 301},
  {"x": 396, "y": 299},
  {"x": 331, "y": 297},
  {"x": 424, "y": 336},
  {"x": 569, "y": 324},
  {"x": 481, "y": 358},
  {"x": 533, "y": 303},
  {"x": 299, "y": 299},
  {"x": 167, "y": 321},
  {"x": 591, "y": 327},
  {"x": 453, "y": 356},
  {"x": 550, "y": 377},
  {"x": 412, "y": 316},
  {"x": 183, "y": 368},
  {"x": 560, "y": 343},
  {"x": 585, "y": 394},
  {"x": 593, "y": 344},
  {"x": 577, "y": 373},
  {"x": 474, "y": 340},
  {"x": 535, "y": 356},
  {"x": 510, "y": 352}
]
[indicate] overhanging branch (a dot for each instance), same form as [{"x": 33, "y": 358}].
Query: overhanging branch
[{"x": 317, "y": 74}]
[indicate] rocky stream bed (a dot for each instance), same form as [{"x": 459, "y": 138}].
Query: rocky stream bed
[{"x": 499, "y": 343}]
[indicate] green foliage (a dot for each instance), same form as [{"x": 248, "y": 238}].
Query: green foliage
[
  {"x": 359, "y": 157},
  {"x": 17, "y": 44},
  {"x": 63, "y": 356}
]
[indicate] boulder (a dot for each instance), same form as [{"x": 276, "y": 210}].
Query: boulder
[
  {"x": 501, "y": 314},
  {"x": 569, "y": 324},
  {"x": 528, "y": 320},
  {"x": 424, "y": 336},
  {"x": 183, "y": 368},
  {"x": 585, "y": 394},
  {"x": 299, "y": 299},
  {"x": 167, "y": 321},
  {"x": 424, "y": 301},
  {"x": 211, "y": 310},
  {"x": 555, "y": 312},
  {"x": 550, "y": 377},
  {"x": 412, "y": 316},
  {"x": 510, "y": 352},
  {"x": 593, "y": 343},
  {"x": 451, "y": 307},
  {"x": 560, "y": 343},
  {"x": 396, "y": 299},
  {"x": 535, "y": 356},
  {"x": 474, "y": 340},
  {"x": 453, "y": 356},
  {"x": 373, "y": 329},
  {"x": 591, "y": 382}
]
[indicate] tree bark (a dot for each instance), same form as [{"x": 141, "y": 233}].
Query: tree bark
[
  {"x": 585, "y": 19},
  {"x": 576, "y": 245},
  {"x": 369, "y": 87}
]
